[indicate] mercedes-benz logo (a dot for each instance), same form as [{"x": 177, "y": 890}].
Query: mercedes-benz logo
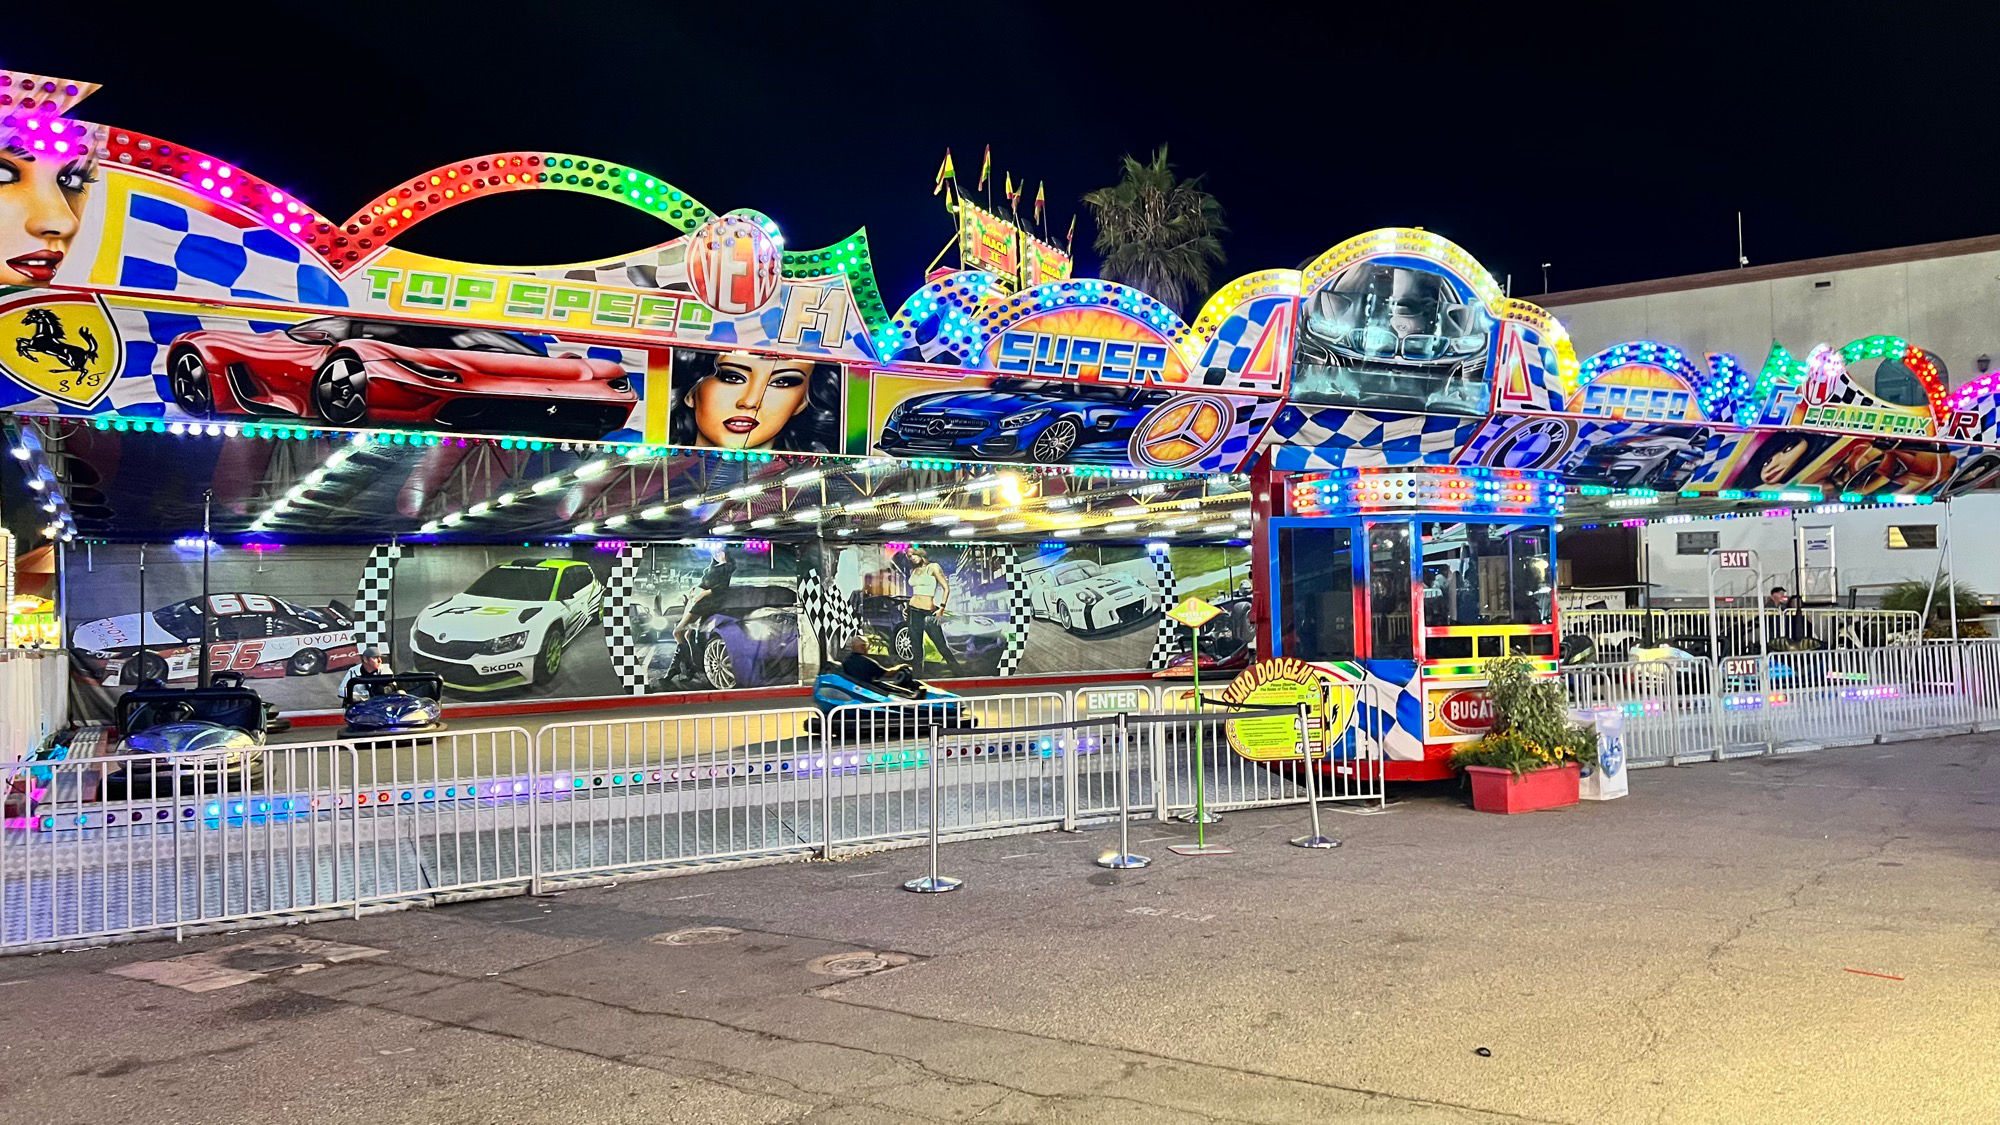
[
  {"x": 1180, "y": 431},
  {"x": 936, "y": 426}
]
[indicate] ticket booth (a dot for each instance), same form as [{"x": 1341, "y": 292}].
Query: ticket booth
[{"x": 1404, "y": 583}]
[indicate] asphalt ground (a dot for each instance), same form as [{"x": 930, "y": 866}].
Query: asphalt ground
[{"x": 1805, "y": 938}]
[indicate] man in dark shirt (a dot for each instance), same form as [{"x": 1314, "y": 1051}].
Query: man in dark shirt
[{"x": 862, "y": 668}]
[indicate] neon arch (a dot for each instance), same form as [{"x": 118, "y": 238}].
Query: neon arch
[
  {"x": 972, "y": 309},
  {"x": 344, "y": 246},
  {"x": 1711, "y": 390}
]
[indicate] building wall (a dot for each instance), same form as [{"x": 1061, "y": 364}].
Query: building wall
[
  {"x": 1861, "y": 554},
  {"x": 1944, "y": 299},
  {"x": 1949, "y": 305}
]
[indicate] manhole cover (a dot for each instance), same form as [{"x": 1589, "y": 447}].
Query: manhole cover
[
  {"x": 857, "y": 964},
  {"x": 700, "y": 935}
]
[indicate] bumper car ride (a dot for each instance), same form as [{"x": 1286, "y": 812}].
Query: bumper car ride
[{"x": 408, "y": 703}]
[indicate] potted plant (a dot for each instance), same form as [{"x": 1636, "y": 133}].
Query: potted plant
[{"x": 1534, "y": 755}]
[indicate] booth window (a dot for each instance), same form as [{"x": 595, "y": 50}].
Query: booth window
[
  {"x": 1486, "y": 574},
  {"x": 1913, "y": 537},
  {"x": 1696, "y": 542},
  {"x": 1389, "y": 592},
  {"x": 1316, "y": 592}
]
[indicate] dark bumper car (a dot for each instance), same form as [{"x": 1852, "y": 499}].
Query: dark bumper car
[{"x": 397, "y": 704}]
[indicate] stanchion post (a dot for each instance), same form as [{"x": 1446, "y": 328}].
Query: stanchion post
[
  {"x": 1124, "y": 860},
  {"x": 828, "y": 722},
  {"x": 934, "y": 883},
  {"x": 1316, "y": 839}
]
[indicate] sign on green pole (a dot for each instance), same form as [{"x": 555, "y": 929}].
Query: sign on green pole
[{"x": 1194, "y": 613}]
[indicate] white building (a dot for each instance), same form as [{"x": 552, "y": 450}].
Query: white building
[{"x": 1943, "y": 296}]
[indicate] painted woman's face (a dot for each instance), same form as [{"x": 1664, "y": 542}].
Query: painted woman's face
[
  {"x": 748, "y": 399},
  {"x": 1782, "y": 464},
  {"x": 41, "y": 205}
]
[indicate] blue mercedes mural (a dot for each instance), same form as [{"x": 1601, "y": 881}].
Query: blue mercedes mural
[{"x": 1014, "y": 419}]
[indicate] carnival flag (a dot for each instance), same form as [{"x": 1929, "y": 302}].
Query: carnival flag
[
  {"x": 1014, "y": 195},
  {"x": 1069, "y": 240},
  {"x": 985, "y": 168},
  {"x": 945, "y": 172},
  {"x": 1041, "y": 199}
]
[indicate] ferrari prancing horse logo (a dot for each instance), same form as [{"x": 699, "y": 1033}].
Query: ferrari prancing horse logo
[{"x": 59, "y": 345}]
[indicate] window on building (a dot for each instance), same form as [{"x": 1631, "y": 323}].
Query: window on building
[
  {"x": 1696, "y": 542},
  {"x": 1913, "y": 537},
  {"x": 1316, "y": 592}
]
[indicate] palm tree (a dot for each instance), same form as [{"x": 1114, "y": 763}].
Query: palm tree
[{"x": 1156, "y": 232}]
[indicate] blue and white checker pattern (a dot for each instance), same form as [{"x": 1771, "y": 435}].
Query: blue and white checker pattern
[
  {"x": 1165, "y": 641},
  {"x": 1249, "y": 419},
  {"x": 621, "y": 619},
  {"x": 171, "y": 248},
  {"x": 1387, "y": 709},
  {"x": 1332, "y": 437},
  {"x": 1236, "y": 339},
  {"x": 1020, "y": 611},
  {"x": 374, "y": 598}
]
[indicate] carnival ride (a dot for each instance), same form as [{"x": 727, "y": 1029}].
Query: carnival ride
[{"x": 1396, "y": 439}]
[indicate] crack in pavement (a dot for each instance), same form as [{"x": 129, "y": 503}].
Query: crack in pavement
[{"x": 753, "y": 1082}]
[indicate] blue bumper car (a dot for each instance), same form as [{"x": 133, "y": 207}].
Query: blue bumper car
[
  {"x": 405, "y": 703},
  {"x": 186, "y": 741},
  {"x": 860, "y": 709}
]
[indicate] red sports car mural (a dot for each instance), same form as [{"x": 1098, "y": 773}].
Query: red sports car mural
[{"x": 348, "y": 371}]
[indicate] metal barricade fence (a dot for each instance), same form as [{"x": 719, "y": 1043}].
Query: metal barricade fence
[
  {"x": 134, "y": 843},
  {"x": 100, "y": 847},
  {"x": 633, "y": 793},
  {"x": 1736, "y": 628},
  {"x": 1094, "y": 780},
  {"x": 1667, "y": 708},
  {"x": 875, "y": 789},
  {"x": 444, "y": 814}
]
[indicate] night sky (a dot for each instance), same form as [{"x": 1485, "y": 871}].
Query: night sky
[{"x": 1618, "y": 147}]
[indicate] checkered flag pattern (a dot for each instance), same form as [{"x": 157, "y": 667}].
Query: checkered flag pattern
[
  {"x": 374, "y": 599},
  {"x": 172, "y": 248},
  {"x": 832, "y": 616},
  {"x": 641, "y": 271},
  {"x": 621, "y": 619},
  {"x": 1235, "y": 343},
  {"x": 1020, "y": 611},
  {"x": 1165, "y": 644}
]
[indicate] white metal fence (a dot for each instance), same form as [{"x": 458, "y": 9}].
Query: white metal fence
[
  {"x": 1679, "y": 711},
  {"x": 103, "y": 847},
  {"x": 34, "y": 699},
  {"x": 1616, "y": 631},
  {"x": 99, "y": 847}
]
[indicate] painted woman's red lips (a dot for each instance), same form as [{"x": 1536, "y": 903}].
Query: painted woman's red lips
[
  {"x": 741, "y": 424},
  {"x": 39, "y": 266}
]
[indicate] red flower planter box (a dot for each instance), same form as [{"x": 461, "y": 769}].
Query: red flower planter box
[{"x": 1497, "y": 790}]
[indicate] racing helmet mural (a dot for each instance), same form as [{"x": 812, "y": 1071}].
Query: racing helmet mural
[{"x": 1398, "y": 320}]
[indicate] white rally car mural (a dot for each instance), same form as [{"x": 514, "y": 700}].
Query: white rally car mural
[
  {"x": 1083, "y": 597},
  {"x": 254, "y": 634},
  {"x": 509, "y": 628}
]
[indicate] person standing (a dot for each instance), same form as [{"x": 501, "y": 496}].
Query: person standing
[{"x": 929, "y": 593}]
